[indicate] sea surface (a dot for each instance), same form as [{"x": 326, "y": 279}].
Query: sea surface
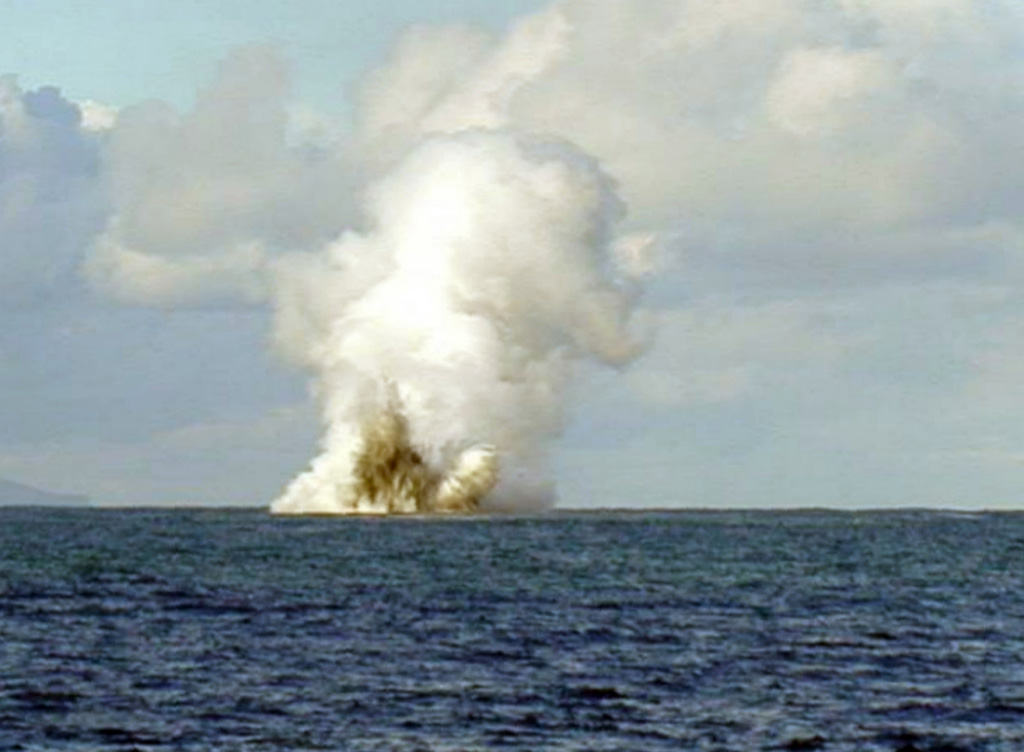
[{"x": 232, "y": 630}]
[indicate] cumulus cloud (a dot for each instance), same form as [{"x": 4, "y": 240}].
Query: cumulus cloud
[
  {"x": 784, "y": 143},
  {"x": 203, "y": 199},
  {"x": 96, "y": 116},
  {"x": 824, "y": 197},
  {"x": 760, "y": 127},
  {"x": 722, "y": 349},
  {"x": 235, "y": 273},
  {"x": 51, "y": 202}
]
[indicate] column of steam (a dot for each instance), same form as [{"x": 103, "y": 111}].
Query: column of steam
[{"x": 444, "y": 337}]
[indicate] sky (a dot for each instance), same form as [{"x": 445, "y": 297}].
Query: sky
[
  {"x": 121, "y": 52},
  {"x": 823, "y": 201}
]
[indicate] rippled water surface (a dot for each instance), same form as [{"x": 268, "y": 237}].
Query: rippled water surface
[{"x": 232, "y": 630}]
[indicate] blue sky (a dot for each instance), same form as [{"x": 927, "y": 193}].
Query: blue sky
[
  {"x": 120, "y": 52},
  {"x": 833, "y": 193}
]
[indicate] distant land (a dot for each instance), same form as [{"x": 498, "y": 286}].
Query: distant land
[{"x": 17, "y": 494}]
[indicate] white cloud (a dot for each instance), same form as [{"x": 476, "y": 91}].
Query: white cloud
[
  {"x": 51, "y": 202},
  {"x": 721, "y": 350},
  {"x": 787, "y": 124},
  {"x": 97, "y": 117},
  {"x": 839, "y": 185},
  {"x": 201, "y": 198},
  {"x": 822, "y": 91},
  {"x": 222, "y": 463},
  {"x": 235, "y": 274}
]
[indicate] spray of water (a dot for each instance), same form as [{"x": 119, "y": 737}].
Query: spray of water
[
  {"x": 442, "y": 338},
  {"x": 391, "y": 476}
]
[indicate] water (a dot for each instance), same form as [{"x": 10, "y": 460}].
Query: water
[{"x": 218, "y": 630}]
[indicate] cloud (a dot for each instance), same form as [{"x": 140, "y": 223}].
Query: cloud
[
  {"x": 51, "y": 201},
  {"x": 96, "y": 116},
  {"x": 236, "y": 274},
  {"x": 825, "y": 197},
  {"x": 821, "y": 91},
  {"x": 202, "y": 199},
  {"x": 220, "y": 463},
  {"x": 792, "y": 131},
  {"x": 905, "y": 394},
  {"x": 723, "y": 350},
  {"x": 772, "y": 146}
]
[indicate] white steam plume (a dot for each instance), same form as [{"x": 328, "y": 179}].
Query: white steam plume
[{"x": 441, "y": 340}]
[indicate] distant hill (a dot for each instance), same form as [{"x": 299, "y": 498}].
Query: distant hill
[{"x": 17, "y": 494}]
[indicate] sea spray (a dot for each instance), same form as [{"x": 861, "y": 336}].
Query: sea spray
[
  {"x": 391, "y": 476},
  {"x": 443, "y": 337}
]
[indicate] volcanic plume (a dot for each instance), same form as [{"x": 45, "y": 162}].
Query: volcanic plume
[
  {"x": 442, "y": 338},
  {"x": 390, "y": 474}
]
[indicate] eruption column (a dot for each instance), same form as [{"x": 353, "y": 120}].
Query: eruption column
[{"x": 442, "y": 338}]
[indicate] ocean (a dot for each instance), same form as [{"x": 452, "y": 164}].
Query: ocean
[{"x": 201, "y": 630}]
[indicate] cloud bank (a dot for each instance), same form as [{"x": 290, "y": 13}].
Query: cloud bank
[
  {"x": 51, "y": 202},
  {"x": 866, "y": 139},
  {"x": 826, "y": 194},
  {"x": 202, "y": 200}
]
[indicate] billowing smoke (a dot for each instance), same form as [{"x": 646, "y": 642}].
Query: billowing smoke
[{"x": 441, "y": 340}]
